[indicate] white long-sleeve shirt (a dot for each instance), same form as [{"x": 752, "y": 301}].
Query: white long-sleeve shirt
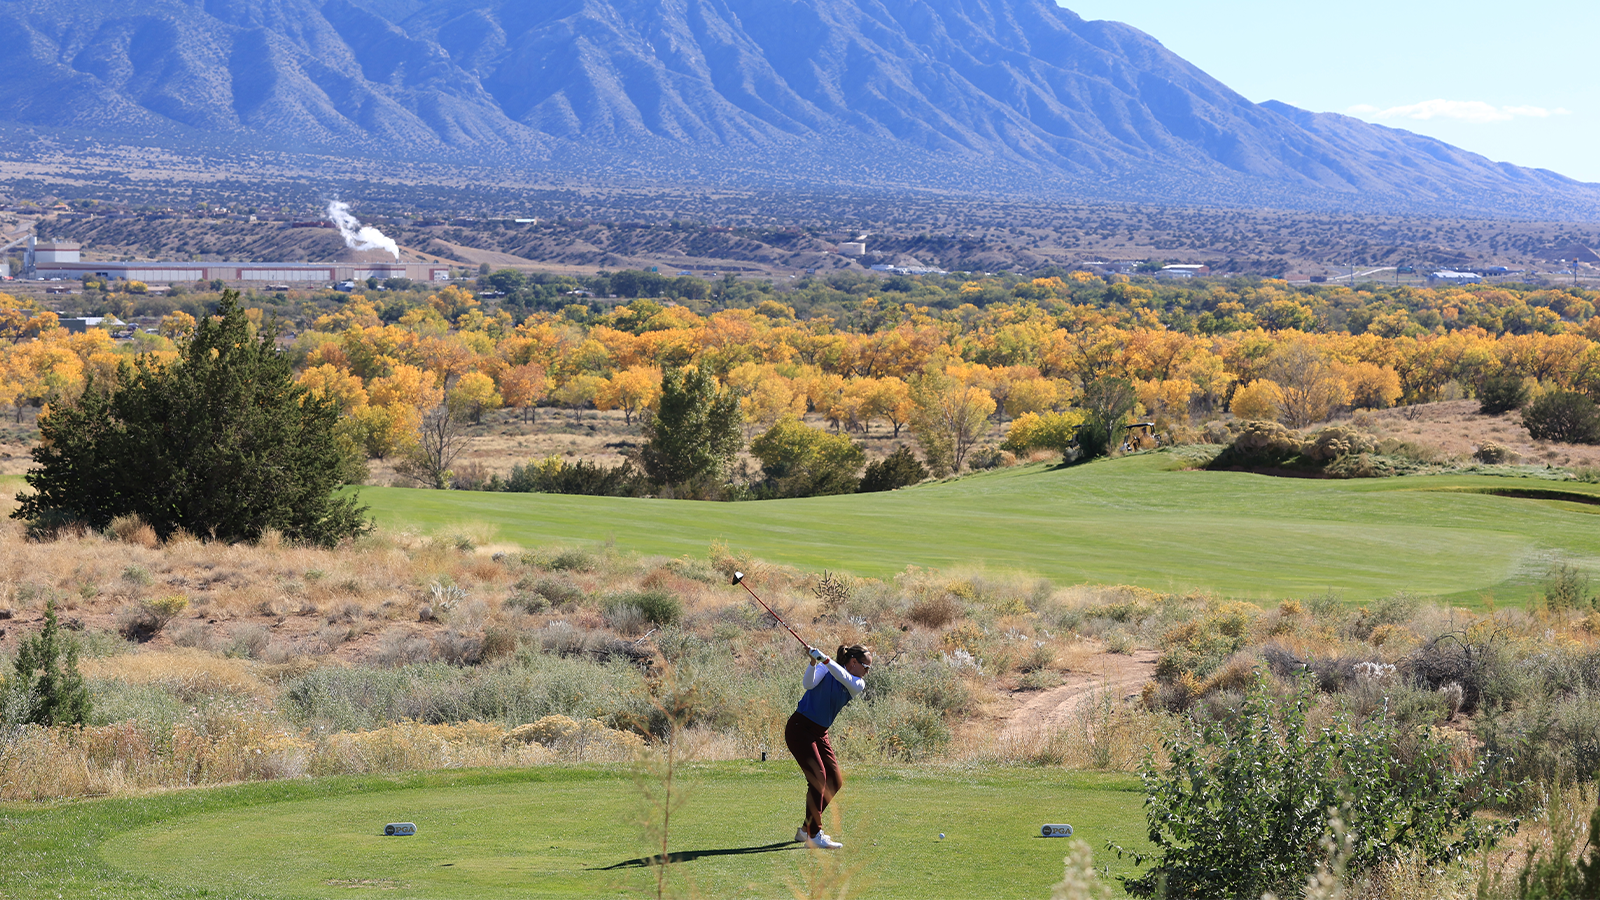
[{"x": 815, "y": 674}]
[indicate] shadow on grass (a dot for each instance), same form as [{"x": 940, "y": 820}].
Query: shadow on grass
[{"x": 691, "y": 855}]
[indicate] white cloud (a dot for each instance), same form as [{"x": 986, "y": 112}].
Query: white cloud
[{"x": 1463, "y": 110}]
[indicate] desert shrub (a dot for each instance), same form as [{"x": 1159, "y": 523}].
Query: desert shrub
[
  {"x": 1199, "y": 647},
  {"x": 927, "y": 681},
  {"x": 1241, "y": 810},
  {"x": 249, "y": 641},
  {"x": 1502, "y": 394},
  {"x": 1565, "y": 417},
  {"x": 537, "y": 594},
  {"x": 515, "y": 691},
  {"x": 154, "y": 706},
  {"x": 131, "y": 529},
  {"x": 1474, "y": 659},
  {"x": 1335, "y": 441},
  {"x": 581, "y": 739},
  {"x": 1492, "y": 454},
  {"x": 1258, "y": 444},
  {"x": 985, "y": 458},
  {"x": 893, "y": 728},
  {"x": 657, "y": 607},
  {"x": 1409, "y": 451},
  {"x": 1396, "y": 609},
  {"x": 1553, "y": 737},
  {"x": 897, "y": 470},
  {"x": 935, "y": 610},
  {"x": 571, "y": 560},
  {"x": 149, "y": 618},
  {"x": 1567, "y": 588}
]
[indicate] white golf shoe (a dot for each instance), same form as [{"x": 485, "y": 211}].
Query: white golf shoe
[
  {"x": 823, "y": 842},
  {"x": 800, "y": 836}
]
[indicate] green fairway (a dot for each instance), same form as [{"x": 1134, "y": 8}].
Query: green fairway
[
  {"x": 1125, "y": 521},
  {"x": 569, "y": 832}
]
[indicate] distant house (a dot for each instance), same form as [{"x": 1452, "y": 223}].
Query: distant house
[
  {"x": 1448, "y": 276},
  {"x": 83, "y": 324},
  {"x": 1183, "y": 271}
]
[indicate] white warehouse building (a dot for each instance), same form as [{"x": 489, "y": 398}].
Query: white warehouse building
[{"x": 64, "y": 260}]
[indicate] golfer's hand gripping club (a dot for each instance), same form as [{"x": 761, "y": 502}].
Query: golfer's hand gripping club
[
  {"x": 738, "y": 578},
  {"x": 817, "y": 655}
]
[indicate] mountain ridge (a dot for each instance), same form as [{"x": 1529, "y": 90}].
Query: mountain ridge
[{"x": 1017, "y": 96}]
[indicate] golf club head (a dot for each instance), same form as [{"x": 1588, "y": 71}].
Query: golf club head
[{"x": 738, "y": 577}]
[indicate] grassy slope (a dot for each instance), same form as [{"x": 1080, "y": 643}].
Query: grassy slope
[
  {"x": 565, "y": 832},
  {"x": 1128, "y": 521}
]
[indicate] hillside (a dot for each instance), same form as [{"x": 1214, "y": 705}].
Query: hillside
[{"x": 985, "y": 96}]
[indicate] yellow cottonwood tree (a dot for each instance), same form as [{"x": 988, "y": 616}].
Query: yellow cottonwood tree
[{"x": 630, "y": 390}]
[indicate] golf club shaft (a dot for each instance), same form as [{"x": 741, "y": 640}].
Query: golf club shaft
[{"x": 774, "y": 615}]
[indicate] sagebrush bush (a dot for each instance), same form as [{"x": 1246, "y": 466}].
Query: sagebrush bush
[
  {"x": 522, "y": 689},
  {"x": 657, "y": 607}
]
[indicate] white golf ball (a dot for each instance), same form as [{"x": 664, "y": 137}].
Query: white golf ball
[{"x": 941, "y": 835}]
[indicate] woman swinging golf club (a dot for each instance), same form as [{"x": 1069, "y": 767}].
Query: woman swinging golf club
[{"x": 829, "y": 684}]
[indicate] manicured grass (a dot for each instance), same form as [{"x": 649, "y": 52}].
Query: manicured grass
[
  {"x": 1128, "y": 521},
  {"x": 568, "y": 832}
]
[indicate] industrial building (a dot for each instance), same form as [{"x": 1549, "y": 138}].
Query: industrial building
[{"x": 61, "y": 259}]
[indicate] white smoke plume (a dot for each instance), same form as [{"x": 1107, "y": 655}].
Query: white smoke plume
[{"x": 356, "y": 235}]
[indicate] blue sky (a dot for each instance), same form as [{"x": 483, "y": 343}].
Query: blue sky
[{"x": 1516, "y": 82}]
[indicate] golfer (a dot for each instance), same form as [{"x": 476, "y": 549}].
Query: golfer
[{"x": 830, "y": 684}]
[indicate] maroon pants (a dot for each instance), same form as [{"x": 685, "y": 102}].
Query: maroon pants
[{"x": 808, "y": 741}]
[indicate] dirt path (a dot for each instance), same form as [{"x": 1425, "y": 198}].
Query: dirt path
[{"x": 1122, "y": 674}]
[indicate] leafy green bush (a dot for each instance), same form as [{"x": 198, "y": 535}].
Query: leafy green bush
[
  {"x": 1241, "y": 810},
  {"x": 1565, "y": 417},
  {"x": 800, "y": 461}
]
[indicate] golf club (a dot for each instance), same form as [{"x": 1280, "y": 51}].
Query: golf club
[{"x": 738, "y": 578}]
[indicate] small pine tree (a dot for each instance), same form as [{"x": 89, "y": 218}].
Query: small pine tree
[{"x": 47, "y": 667}]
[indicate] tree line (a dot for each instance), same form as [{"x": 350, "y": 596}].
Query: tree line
[{"x": 1034, "y": 353}]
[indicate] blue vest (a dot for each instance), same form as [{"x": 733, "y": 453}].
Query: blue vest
[{"x": 822, "y": 703}]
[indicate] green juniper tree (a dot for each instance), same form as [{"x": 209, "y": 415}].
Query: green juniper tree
[
  {"x": 48, "y": 682},
  {"x": 694, "y": 433},
  {"x": 221, "y": 443}
]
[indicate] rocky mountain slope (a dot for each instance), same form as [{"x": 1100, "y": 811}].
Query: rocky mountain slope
[{"x": 992, "y": 96}]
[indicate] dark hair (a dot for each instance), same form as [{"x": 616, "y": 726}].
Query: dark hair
[{"x": 854, "y": 651}]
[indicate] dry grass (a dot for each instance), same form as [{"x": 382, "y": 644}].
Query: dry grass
[{"x": 1456, "y": 430}]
